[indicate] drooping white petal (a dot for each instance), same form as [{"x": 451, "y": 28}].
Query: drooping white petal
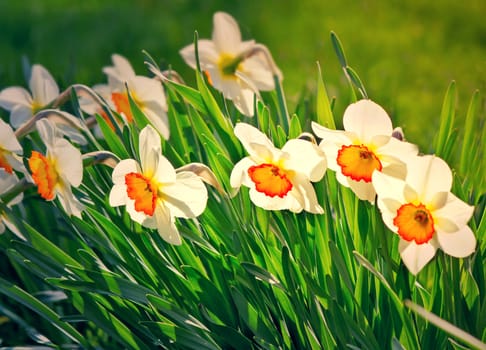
[
  {"x": 69, "y": 202},
  {"x": 187, "y": 197},
  {"x": 166, "y": 226},
  {"x": 428, "y": 175},
  {"x": 459, "y": 244},
  {"x": 416, "y": 256},
  {"x": 337, "y": 137},
  {"x": 239, "y": 174},
  {"x": 14, "y": 96},
  {"x": 366, "y": 119},
  {"x": 309, "y": 197},
  {"x": 8, "y": 140},
  {"x": 395, "y": 149},
  {"x": 226, "y": 33},
  {"x": 124, "y": 167},
  {"x": 364, "y": 190},
  {"x": 305, "y": 158},
  {"x": 43, "y": 86},
  {"x": 47, "y": 131},
  {"x": 454, "y": 210},
  {"x": 68, "y": 161},
  {"x": 135, "y": 215},
  {"x": 244, "y": 100}
]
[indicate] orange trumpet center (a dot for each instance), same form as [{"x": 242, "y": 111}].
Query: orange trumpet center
[
  {"x": 122, "y": 105},
  {"x": 358, "y": 162},
  {"x": 143, "y": 191},
  {"x": 44, "y": 175},
  {"x": 415, "y": 223},
  {"x": 270, "y": 180}
]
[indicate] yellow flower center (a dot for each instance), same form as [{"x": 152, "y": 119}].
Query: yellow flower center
[
  {"x": 44, "y": 174},
  {"x": 415, "y": 223},
  {"x": 358, "y": 162},
  {"x": 4, "y": 164},
  {"x": 228, "y": 65},
  {"x": 122, "y": 104},
  {"x": 143, "y": 191},
  {"x": 270, "y": 180}
]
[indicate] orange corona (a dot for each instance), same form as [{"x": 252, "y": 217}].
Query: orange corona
[
  {"x": 122, "y": 105},
  {"x": 44, "y": 175},
  {"x": 270, "y": 180},
  {"x": 415, "y": 223},
  {"x": 358, "y": 162},
  {"x": 143, "y": 191}
]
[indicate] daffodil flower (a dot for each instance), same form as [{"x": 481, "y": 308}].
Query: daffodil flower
[
  {"x": 239, "y": 69},
  {"x": 424, "y": 213},
  {"x": 60, "y": 168},
  {"x": 279, "y": 178},
  {"x": 21, "y": 104},
  {"x": 7, "y": 182},
  {"x": 366, "y": 145},
  {"x": 10, "y": 150},
  {"x": 147, "y": 93},
  {"x": 153, "y": 192}
]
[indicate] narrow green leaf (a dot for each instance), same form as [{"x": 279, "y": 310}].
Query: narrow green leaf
[
  {"x": 468, "y": 140},
  {"x": 338, "y": 49},
  {"x": 323, "y": 109},
  {"x": 16, "y": 293},
  {"x": 446, "y": 121}
]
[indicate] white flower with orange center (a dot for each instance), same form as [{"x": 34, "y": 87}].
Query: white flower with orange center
[
  {"x": 365, "y": 145},
  {"x": 58, "y": 170},
  {"x": 279, "y": 178},
  {"x": 424, "y": 213},
  {"x": 10, "y": 150},
  {"x": 153, "y": 192},
  {"x": 21, "y": 104},
  {"x": 147, "y": 93},
  {"x": 239, "y": 69}
]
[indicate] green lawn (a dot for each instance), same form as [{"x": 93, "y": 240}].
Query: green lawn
[{"x": 406, "y": 53}]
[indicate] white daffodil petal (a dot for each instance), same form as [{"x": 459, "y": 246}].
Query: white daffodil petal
[
  {"x": 248, "y": 135},
  {"x": 124, "y": 167},
  {"x": 275, "y": 203},
  {"x": 68, "y": 161},
  {"x": 149, "y": 140},
  {"x": 305, "y": 158},
  {"x": 337, "y": 137},
  {"x": 8, "y": 140},
  {"x": 43, "y": 86},
  {"x": 69, "y": 202},
  {"x": 388, "y": 187},
  {"x": 438, "y": 201},
  {"x": 135, "y": 215},
  {"x": 256, "y": 69},
  {"x": 19, "y": 115},
  {"x": 455, "y": 210},
  {"x": 226, "y": 33},
  {"x": 165, "y": 225},
  {"x": 14, "y": 96},
  {"x": 118, "y": 195},
  {"x": 157, "y": 115},
  {"x": 460, "y": 244},
  {"x": 165, "y": 172},
  {"x": 416, "y": 256},
  {"x": 187, "y": 197},
  {"x": 364, "y": 190},
  {"x": 367, "y": 119},
  {"x": 309, "y": 197},
  {"x": 239, "y": 174},
  {"x": 47, "y": 131},
  {"x": 428, "y": 175},
  {"x": 398, "y": 149}
]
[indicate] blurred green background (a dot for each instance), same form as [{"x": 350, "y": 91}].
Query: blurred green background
[{"x": 406, "y": 52}]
